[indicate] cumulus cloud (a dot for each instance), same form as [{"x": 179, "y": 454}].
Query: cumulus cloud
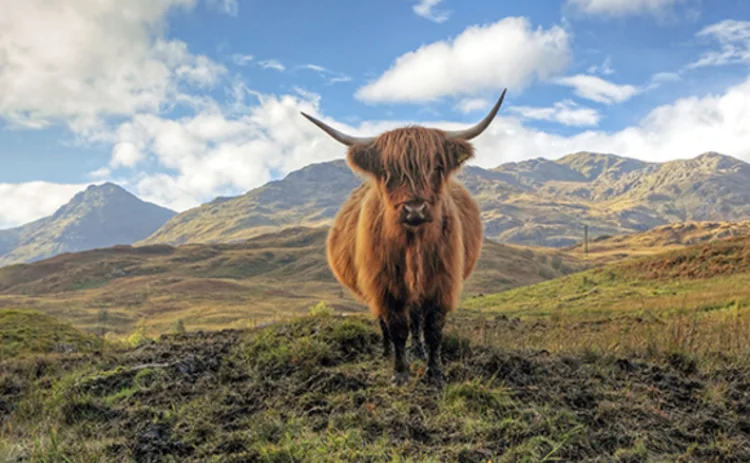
[
  {"x": 21, "y": 203},
  {"x": 597, "y": 89},
  {"x": 623, "y": 7},
  {"x": 733, "y": 38},
  {"x": 564, "y": 112},
  {"x": 77, "y": 61},
  {"x": 213, "y": 153},
  {"x": 473, "y": 62},
  {"x": 427, "y": 9}
]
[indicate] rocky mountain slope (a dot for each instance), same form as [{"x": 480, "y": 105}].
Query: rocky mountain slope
[
  {"x": 537, "y": 202},
  {"x": 101, "y": 216}
]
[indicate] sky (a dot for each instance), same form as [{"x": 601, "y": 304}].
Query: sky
[{"x": 180, "y": 101}]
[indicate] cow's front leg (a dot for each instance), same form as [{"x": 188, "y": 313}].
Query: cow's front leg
[
  {"x": 387, "y": 342},
  {"x": 434, "y": 322},
  {"x": 398, "y": 327},
  {"x": 415, "y": 325}
]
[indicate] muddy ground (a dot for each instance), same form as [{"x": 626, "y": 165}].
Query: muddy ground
[{"x": 318, "y": 390}]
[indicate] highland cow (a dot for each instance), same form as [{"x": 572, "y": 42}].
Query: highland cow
[{"x": 410, "y": 235}]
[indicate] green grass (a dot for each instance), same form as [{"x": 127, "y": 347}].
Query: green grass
[
  {"x": 317, "y": 389},
  {"x": 25, "y": 332},
  {"x": 695, "y": 301}
]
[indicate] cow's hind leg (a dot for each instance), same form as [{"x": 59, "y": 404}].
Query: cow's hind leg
[
  {"x": 387, "y": 342},
  {"x": 434, "y": 322},
  {"x": 415, "y": 325}
]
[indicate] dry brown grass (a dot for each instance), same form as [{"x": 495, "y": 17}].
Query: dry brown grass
[
  {"x": 711, "y": 339},
  {"x": 215, "y": 286},
  {"x": 664, "y": 238}
]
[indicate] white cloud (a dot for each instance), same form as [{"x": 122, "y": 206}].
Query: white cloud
[
  {"x": 212, "y": 153},
  {"x": 564, "y": 112},
  {"x": 427, "y": 10},
  {"x": 242, "y": 60},
  {"x": 623, "y": 7},
  {"x": 314, "y": 67},
  {"x": 604, "y": 69},
  {"x": 734, "y": 39},
  {"x": 597, "y": 89},
  {"x": 101, "y": 173},
  {"x": 665, "y": 77},
  {"x": 272, "y": 64},
  {"x": 77, "y": 61},
  {"x": 332, "y": 77},
  {"x": 21, "y": 203},
  {"x": 507, "y": 53},
  {"x": 468, "y": 105},
  {"x": 683, "y": 129},
  {"x": 126, "y": 154}
]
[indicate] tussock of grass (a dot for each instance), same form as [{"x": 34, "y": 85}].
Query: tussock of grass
[{"x": 24, "y": 332}]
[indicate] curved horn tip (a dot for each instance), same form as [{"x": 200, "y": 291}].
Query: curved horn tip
[
  {"x": 337, "y": 135},
  {"x": 471, "y": 132}
]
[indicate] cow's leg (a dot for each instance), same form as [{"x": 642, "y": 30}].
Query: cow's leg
[
  {"x": 434, "y": 322},
  {"x": 398, "y": 326},
  {"x": 415, "y": 325},
  {"x": 387, "y": 342}
]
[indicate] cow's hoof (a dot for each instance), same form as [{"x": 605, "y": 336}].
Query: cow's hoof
[
  {"x": 435, "y": 377},
  {"x": 399, "y": 379}
]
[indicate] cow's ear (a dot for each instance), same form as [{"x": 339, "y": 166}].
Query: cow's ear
[
  {"x": 458, "y": 152},
  {"x": 365, "y": 159}
]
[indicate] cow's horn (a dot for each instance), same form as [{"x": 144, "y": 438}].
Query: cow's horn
[
  {"x": 471, "y": 132},
  {"x": 339, "y": 136}
]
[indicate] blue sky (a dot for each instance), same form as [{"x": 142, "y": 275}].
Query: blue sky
[{"x": 183, "y": 100}]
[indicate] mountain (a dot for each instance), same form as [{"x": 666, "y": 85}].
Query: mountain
[
  {"x": 100, "y": 216},
  {"x": 538, "y": 202},
  {"x": 221, "y": 285},
  {"x": 309, "y": 197}
]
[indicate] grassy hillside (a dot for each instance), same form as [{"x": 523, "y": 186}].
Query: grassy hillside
[
  {"x": 317, "y": 389},
  {"x": 223, "y": 285},
  {"x": 100, "y": 216},
  {"x": 605, "y": 249},
  {"x": 537, "y": 202},
  {"x": 694, "y": 300},
  {"x": 24, "y": 332}
]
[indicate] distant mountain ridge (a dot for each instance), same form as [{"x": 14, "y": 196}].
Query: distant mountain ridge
[
  {"x": 100, "y": 216},
  {"x": 538, "y": 202}
]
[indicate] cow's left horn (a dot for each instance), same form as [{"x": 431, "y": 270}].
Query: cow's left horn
[
  {"x": 471, "y": 132},
  {"x": 339, "y": 136}
]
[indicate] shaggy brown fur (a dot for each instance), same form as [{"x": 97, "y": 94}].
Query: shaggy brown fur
[{"x": 403, "y": 272}]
